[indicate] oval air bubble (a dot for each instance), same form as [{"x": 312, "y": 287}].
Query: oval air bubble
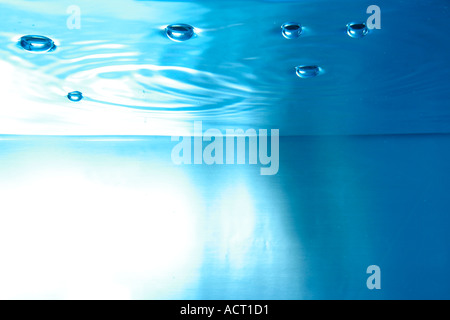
[
  {"x": 306, "y": 72},
  {"x": 291, "y": 30},
  {"x": 180, "y": 32},
  {"x": 75, "y": 96},
  {"x": 357, "y": 30},
  {"x": 38, "y": 44}
]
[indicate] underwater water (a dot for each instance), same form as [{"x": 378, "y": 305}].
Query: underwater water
[{"x": 92, "y": 204}]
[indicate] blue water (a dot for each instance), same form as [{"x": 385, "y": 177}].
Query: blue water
[{"x": 92, "y": 205}]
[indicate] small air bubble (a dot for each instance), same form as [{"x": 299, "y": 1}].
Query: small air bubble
[
  {"x": 306, "y": 72},
  {"x": 180, "y": 32},
  {"x": 357, "y": 30},
  {"x": 75, "y": 96},
  {"x": 37, "y": 44},
  {"x": 291, "y": 30}
]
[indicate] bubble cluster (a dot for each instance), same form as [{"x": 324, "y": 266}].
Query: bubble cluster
[{"x": 184, "y": 32}]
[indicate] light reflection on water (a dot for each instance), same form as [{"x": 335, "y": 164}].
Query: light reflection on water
[
  {"x": 116, "y": 219},
  {"x": 99, "y": 218}
]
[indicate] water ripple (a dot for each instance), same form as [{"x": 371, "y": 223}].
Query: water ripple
[{"x": 239, "y": 70}]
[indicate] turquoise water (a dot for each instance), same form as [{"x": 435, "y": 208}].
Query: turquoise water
[{"x": 93, "y": 206}]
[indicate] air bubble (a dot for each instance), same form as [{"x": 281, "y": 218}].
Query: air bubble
[
  {"x": 291, "y": 30},
  {"x": 75, "y": 96},
  {"x": 306, "y": 72},
  {"x": 357, "y": 30},
  {"x": 180, "y": 32},
  {"x": 37, "y": 44}
]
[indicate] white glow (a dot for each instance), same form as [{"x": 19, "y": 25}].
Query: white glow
[{"x": 66, "y": 237}]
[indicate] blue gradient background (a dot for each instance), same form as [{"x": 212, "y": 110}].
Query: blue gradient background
[{"x": 92, "y": 206}]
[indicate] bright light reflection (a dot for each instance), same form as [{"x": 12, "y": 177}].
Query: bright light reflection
[{"x": 67, "y": 237}]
